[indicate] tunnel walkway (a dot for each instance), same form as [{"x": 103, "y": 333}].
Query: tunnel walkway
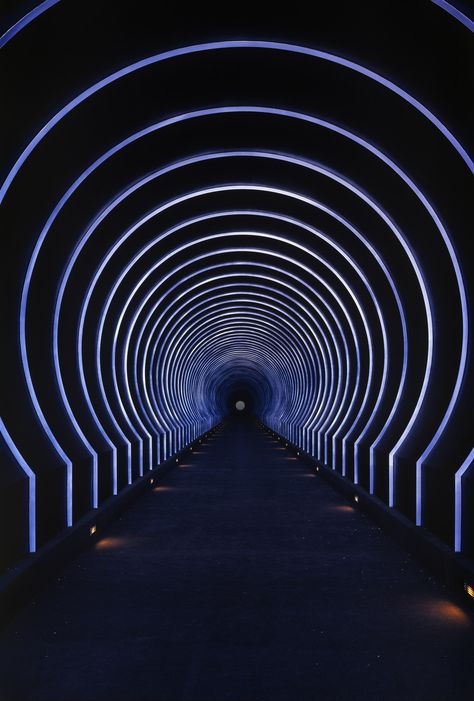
[{"x": 242, "y": 576}]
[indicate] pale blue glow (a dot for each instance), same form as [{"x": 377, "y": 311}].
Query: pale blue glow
[
  {"x": 294, "y": 262},
  {"x": 152, "y": 293},
  {"x": 458, "y": 510},
  {"x": 242, "y": 352},
  {"x": 454, "y": 12},
  {"x": 254, "y": 335},
  {"x": 239, "y": 315},
  {"x": 31, "y": 486},
  {"x": 371, "y": 204},
  {"x": 347, "y": 258},
  {"x": 70, "y": 413},
  {"x": 225, "y": 276},
  {"x": 167, "y": 256},
  {"x": 46, "y": 428},
  {"x": 435, "y": 437},
  {"x": 267, "y": 278},
  {"x": 214, "y": 46},
  {"x": 379, "y": 155},
  {"x": 222, "y": 155},
  {"x": 24, "y": 21},
  {"x": 191, "y": 310}
]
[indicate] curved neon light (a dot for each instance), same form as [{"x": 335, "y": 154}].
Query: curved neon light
[
  {"x": 454, "y": 396},
  {"x": 450, "y": 250}
]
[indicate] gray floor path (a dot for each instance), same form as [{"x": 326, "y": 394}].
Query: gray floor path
[{"x": 242, "y": 577}]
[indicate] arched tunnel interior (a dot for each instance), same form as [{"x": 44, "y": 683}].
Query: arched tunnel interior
[{"x": 253, "y": 218}]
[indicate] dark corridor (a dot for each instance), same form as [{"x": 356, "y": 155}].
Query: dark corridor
[
  {"x": 236, "y": 378},
  {"x": 241, "y": 576}
]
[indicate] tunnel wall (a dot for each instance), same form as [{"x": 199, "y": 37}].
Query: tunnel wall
[{"x": 193, "y": 208}]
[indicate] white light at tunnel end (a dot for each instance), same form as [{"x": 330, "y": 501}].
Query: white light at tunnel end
[{"x": 240, "y": 405}]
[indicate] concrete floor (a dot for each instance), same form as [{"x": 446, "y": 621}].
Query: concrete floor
[{"x": 243, "y": 577}]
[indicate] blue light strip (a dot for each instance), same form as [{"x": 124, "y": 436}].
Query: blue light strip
[
  {"x": 178, "y": 313},
  {"x": 191, "y": 327},
  {"x": 454, "y": 12},
  {"x": 236, "y": 333},
  {"x": 418, "y": 272},
  {"x": 214, "y": 278},
  {"x": 458, "y": 479},
  {"x": 265, "y": 252},
  {"x": 413, "y": 187},
  {"x": 215, "y": 46},
  {"x": 25, "y": 21},
  {"x": 220, "y": 155},
  {"x": 237, "y": 316},
  {"x": 31, "y": 486}
]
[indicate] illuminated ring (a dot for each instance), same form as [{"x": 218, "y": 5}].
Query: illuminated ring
[
  {"x": 170, "y": 349},
  {"x": 317, "y": 233},
  {"x": 444, "y": 236},
  {"x": 203, "y": 239},
  {"x": 252, "y": 285},
  {"x": 419, "y": 463},
  {"x": 274, "y": 270}
]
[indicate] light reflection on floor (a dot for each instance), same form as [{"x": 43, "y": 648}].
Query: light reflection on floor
[
  {"x": 443, "y": 611},
  {"x": 112, "y": 542},
  {"x": 343, "y": 508}
]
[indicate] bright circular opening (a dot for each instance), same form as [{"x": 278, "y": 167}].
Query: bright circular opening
[{"x": 240, "y": 405}]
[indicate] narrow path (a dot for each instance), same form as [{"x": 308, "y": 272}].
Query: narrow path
[{"x": 243, "y": 577}]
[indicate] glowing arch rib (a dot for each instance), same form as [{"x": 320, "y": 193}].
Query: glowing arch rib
[
  {"x": 31, "y": 486},
  {"x": 340, "y": 181},
  {"x": 267, "y": 278},
  {"x": 302, "y": 332},
  {"x": 435, "y": 219},
  {"x": 362, "y": 277},
  {"x": 271, "y": 155},
  {"x": 263, "y": 288},
  {"x": 193, "y": 326},
  {"x": 458, "y": 512},
  {"x": 147, "y": 369},
  {"x": 214, "y": 46},
  {"x": 247, "y": 331},
  {"x": 25, "y": 21},
  {"x": 203, "y": 239},
  {"x": 454, "y": 12},
  {"x": 423, "y": 457},
  {"x": 183, "y": 265}
]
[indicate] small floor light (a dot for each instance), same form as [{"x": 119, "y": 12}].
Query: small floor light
[
  {"x": 317, "y": 469},
  {"x": 356, "y": 498},
  {"x": 152, "y": 480},
  {"x": 177, "y": 460},
  {"x": 469, "y": 589},
  {"x": 92, "y": 529}
]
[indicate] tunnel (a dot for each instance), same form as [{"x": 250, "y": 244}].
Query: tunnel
[{"x": 237, "y": 238}]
